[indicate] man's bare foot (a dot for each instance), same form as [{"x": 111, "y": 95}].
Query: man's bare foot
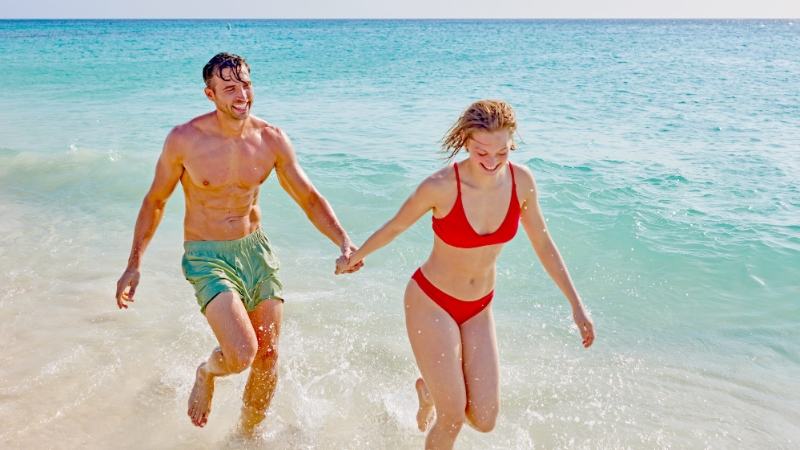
[
  {"x": 426, "y": 412},
  {"x": 200, "y": 398},
  {"x": 250, "y": 419}
]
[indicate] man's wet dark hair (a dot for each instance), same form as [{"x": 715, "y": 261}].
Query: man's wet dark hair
[{"x": 222, "y": 61}]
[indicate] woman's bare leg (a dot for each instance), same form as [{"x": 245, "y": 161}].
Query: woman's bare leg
[
  {"x": 481, "y": 370},
  {"x": 436, "y": 343},
  {"x": 427, "y": 409}
]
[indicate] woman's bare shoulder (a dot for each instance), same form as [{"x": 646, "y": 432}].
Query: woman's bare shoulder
[
  {"x": 441, "y": 178},
  {"x": 523, "y": 176},
  {"x": 526, "y": 185},
  {"x": 439, "y": 185}
]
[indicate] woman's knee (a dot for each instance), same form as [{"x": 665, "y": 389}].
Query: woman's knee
[
  {"x": 451, "y": 413},
  {"x": 483, "y": 418}
]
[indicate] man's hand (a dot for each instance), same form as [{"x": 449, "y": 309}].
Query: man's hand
[
  {"x": 343, "y": 263},
  {"x": 126, "y": 286}
]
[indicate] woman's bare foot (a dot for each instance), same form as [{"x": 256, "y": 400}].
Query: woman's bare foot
[
  {"x": 200, "y": 398},
  {"x": 426, "y": 412}
]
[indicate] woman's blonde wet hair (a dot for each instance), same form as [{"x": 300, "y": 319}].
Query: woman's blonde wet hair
[{"x": 483, "y": 115}]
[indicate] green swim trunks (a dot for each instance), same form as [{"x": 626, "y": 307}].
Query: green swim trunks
[{"x": 244, "y": 266}]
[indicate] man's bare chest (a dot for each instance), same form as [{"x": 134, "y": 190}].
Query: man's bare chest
[{"x": 243, "y": 166}]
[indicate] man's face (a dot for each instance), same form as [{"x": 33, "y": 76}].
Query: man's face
[{"x": 232, "y": 97}]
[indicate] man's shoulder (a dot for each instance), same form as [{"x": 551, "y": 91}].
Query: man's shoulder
[
  {"x": 266, "y": 130},
  {"x": 274, "y": 138},
  {"x": 189, "y": 131}
]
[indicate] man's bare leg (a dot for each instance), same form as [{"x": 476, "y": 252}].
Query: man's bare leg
[
  {"x": 266, "y": 321},
  {"x": 237, "y": 348}
]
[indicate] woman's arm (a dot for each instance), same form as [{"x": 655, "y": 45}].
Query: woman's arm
[
  {"x": 536, "y": 227},
  {"x": 419, "y": 203}
]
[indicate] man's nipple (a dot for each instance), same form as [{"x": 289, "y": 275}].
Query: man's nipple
[{"x": 205, "y": 182}]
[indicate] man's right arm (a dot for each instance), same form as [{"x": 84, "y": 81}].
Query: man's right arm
[
  {"x": 168, "y": 172},
  {"x": 295, "y": 182}
]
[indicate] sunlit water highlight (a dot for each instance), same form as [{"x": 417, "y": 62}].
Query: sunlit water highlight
[{"x": 666, "y": 154}]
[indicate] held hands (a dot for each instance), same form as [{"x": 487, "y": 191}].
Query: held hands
[
  {"x": 585, "y": 324},
  {"x": 126, "y": 286},
  {"x": 343, "y": 264}
]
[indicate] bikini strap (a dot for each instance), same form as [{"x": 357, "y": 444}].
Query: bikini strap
[
  {"x": 458, "y": 180},
  {"x": 513, "y": 182}
]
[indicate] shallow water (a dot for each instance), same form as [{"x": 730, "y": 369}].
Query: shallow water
[{"x": 666, "y": 157}]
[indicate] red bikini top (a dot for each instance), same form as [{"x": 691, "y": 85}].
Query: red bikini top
[{"x": 454, "y": 228}]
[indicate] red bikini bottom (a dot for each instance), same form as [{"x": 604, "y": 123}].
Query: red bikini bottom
[{"x": 459, "y": 310}]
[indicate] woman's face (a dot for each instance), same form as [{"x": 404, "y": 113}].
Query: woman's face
[{"x": 488, "y": 150}]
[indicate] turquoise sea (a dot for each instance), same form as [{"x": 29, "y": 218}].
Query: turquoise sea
[{"x": 667, "y": 154}]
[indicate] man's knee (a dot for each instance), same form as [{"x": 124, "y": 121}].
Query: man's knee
[
  {"x": 241, "y": 358},
  {"x": 267, "y": 355}
]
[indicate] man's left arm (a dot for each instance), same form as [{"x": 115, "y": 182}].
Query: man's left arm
[{"x": 296, "y": 183}]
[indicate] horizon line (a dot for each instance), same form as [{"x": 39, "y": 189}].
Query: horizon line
[{"x": 397, "y": 18}]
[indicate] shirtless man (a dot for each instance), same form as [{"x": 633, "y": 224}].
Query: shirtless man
[{"x": 221, "y": 159}]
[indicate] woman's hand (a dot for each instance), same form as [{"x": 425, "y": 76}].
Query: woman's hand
[
  {"x": 346, "y": 265},
  {"x": 584, "y": 323},
  {"x": 348, "y": 250}
]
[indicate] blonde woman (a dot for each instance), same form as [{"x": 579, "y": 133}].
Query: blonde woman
[{"x": 477, "y": 205}]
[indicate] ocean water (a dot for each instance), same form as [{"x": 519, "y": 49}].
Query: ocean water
[{"x": 666, "y": 154}]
